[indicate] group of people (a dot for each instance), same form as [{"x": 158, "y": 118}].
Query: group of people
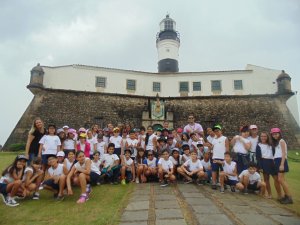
[{"x": 59, "y": 159}]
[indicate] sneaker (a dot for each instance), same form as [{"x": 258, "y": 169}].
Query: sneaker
[
  {"x": 164, "y": 183},
  {"x": 137, "y": 181},
  {"x": 123, "y": 182},
  {"x": 222, "y": 190},
  {"x": 245, "y": 191},
  {"x": 214, "y": 186},
  {"x": 82, "y": 199},
  {"x": 98, "y": 183},
  {"x": 287, "y": 200},
  {"x": 36, "y": 196},
  {"x": 188, "y": 181},
  {"x": 232, "y": 188},
  {"x": 60, "y": 198},
  {"x": 11, "y": 202}
]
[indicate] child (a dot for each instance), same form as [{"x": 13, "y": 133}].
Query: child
[
  {"x": 32, "y": 178},
  {"x": 142, "y": 137},
  {"x": 176, "y": 159},
  {"x": 11, "y": 180},
  {"x": 55, "y": 177},
  {"x": 265, "y": 159},
  {"x": 128, "y": 168},
  {"x": 253, "y": 138},
  {"x": 49, "y": 145},
  {"x": 110, "y": 163},
  {"x": 132, "y": 143},
  {"x": 281, "y": 164},
  {"x": 80, "y": 173},
  {"x": 95, "y": 169},
  {"x": 192, "y": 169},
  {"x": 171, "y": 142},
  {"x": 140, "y": 167},
  {"x": 251, "y": 180},
  {"x": 83, "y": 145},
  {"x": 220, "y": 145},
  {"x": 151, "y": 139},
  {"x": 229, "y": 173},
  {"x": 206, "y": 166},
  {"x": 165, "y": 169},
  {"x": 150, "y": 166},
  {"x": 70, "y": 160},
  {"x": 100, "y": 145},
  {"x": 70, "y": 143},
  {"x": 211, "y": 135},
  {"x": 60, "y": 157},
  {"x": 116, "y": 139},
  {"x": 161, "y": 146},
  {"x": 241, "y": 146},
  {"x": 92, "y": 141},
  {"x": 186, "y": 152}
]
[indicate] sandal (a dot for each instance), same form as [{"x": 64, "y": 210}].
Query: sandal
[{"x": 82, "y": 199}]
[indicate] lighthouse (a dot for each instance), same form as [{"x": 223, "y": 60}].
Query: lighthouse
[{"x": 167, "y": 44}]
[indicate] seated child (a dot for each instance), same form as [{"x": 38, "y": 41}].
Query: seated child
[
  {"x": 206, "y": 167},
  {"x": 69, "y": 161},
  {"x": 140, "y": 167},
  {"x": 150, "y": 165},
  {"x": 80, "y": 174},
  {"x": 192, "y": 169},
  {"x": 60, "y": 157},
  {"x": 128, "y": 168},
  {"x": 186, "y": 152},
  {"x": 95, "y": 169},
  {"x": 55, "y": 177},
  {"x": 32, "y": 178},
  {"x": 11, "y": 182},
  {"x": 110, "y": 163},
  {"x": 165, "y": 169},
  {"x": 176, "y": 159},
  {"x": 229, "y": 174},
  {"x": 251, "y": 180}
]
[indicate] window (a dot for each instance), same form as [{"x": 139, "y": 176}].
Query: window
[
  {"x": 168, "y": 25},
  {"x": 156, "y": 86},
  {"x": 238, "y": 85},
  {"x": 131, "y": 85},
  {"x": 196, "y": 86},
  {"x": 101, "y": 82},
  {"x": 216, "y": 85},
  {"x": 183, "y": 86}
]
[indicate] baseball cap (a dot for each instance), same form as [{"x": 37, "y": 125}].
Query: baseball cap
[
  {"x": 217, "y": 127},
  {"x": 60, "y": 154},
  {"x": 59, "y": 130},
  {"x": 65, "y": 127},
  {"x": 82, "y": 129},
  {"x": 116, "y": 129},
  {"x": 275, "y": 130},
  {"x": 253, "y": 126},
  {"x": 179, "y": 130},
  {"x": 22, "y": 157}
]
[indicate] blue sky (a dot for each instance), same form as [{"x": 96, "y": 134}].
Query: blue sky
[{"x": 215, "y": 35}]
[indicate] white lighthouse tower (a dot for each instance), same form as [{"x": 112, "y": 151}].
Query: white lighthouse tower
[{"x": 167, "y": 44}]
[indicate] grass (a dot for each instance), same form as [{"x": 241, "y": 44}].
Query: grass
[{"x": 104, "y": 207}]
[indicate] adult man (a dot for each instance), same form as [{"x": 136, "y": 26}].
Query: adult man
[{"x": 193, "y": 127}]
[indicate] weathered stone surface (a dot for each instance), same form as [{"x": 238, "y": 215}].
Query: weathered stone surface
[
  {"x": 212, "y": 219},
  {"x": 254, "y": 219},
  {"x": 171, "y": 222},
  {"x": 134, "y": 223},
  {"x": 198, "y": 201},
  {"x": 168, "y": 214},
  {"x": 206, "y": 209},
  {"x": 137, "y": 205},
  {"x": 166, "y": 204},
  {"x": 135, "y": 216},
  {"x": 287, "y": 220}
]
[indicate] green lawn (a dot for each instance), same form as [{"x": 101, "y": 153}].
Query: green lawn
[{"x": 104, "y": 207}]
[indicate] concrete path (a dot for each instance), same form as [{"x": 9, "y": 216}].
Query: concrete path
[{"x": 190, "y": 204}]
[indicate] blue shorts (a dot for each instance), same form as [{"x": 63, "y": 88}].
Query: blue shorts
[
  {"x": 231, "y": 182},
  {"x": 45, "y": 159},
  {"x": 253, "y": 187},
  {"x": 242, "y": 162},
  {"x": 3, "y": 188},
  {"x": 216, "y": 167},
  {"x": 277, "y": 162},
  {"x": 268, "y": 166},
  {"x": 51, "y": 183},
  {"x": 117, "y": 151},
  {"x": 128, "y": 175},
  {"x": 94, "y": 178},
  {"x": 208, "y": 173}
]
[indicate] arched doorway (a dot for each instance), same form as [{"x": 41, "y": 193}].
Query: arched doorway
[{"x": 156, "y": 126}]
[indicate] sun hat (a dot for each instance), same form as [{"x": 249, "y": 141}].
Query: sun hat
[
  {"x": 83, "y": 135},
  {"x": 275, "y": 130}
]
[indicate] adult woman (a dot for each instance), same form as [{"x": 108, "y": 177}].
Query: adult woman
[{"x": 36, "y": 132}]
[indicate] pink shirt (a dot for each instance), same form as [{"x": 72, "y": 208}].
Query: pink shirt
[{"x": 196, "y": 128}]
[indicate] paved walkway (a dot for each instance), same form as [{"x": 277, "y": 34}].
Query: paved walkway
[{"x": 190, "y": 204}]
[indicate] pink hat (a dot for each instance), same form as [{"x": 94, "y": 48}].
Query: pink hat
[
  {"x": 179, "y": 130},
  {"x": 82, "y": 129},
  {"x": 252, "y": 127},
  {"x": 71, "y": 130},
  {"x": 275, "y": 130}
]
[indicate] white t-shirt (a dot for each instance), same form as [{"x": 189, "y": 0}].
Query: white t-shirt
[
  {"x": 278, "y": 150},
  {"x": 229, "y": 168},
  {"x": 92, "y": 142},
  {"x": 128, "y": 163},
  {"x": 266, "y": 151},
  {"x": 252, "y": 177},
  {"x": 106, "y": 139},
  {"x": 196, "y": 128},
  {"x": 101, "y": 147},
  {"x": 69, "y": 144},
  {"x": 27, "y": 169},
  {"x": 109, "y": 159},
  {"x": 50, "y": 144},
  {"x": 150, "y": 163},
  {"x": 166, "y": 164},
  {"x": 210, "y": 138},
  {"x": 219, "y": 147},
  {"x": 175, "y": 161},
  {"x": 59, "y": 170},
  {"x": 134, "y": 143},
  {"x": 6, "y": 179},
  {"x": 254, "y": 142},
  {"x": 142, "y": 140},
  {"x": 81, "y": 166},
  {"x": 239, "y": 146},
  {"x": 192, "y": 166},
  {"x": 206, "y": 165},
  {"x": 116, "y": 140},
  {"x": 95, "y": 167},
  {"x": 150, "y": 142},
  {"x": 68, "y": 164},
  {"x": 186, "y": 157}
]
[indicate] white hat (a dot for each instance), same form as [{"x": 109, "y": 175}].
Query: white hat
[
  {"x": 252, "y": 127},
  {"x": 60, "y": 153},
  {"x": 65, "y": 127}
]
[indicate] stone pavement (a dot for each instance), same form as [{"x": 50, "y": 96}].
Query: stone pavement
[{"x": 190, "y": 204}]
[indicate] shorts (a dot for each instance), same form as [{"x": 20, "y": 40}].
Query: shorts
[
  {"x": 117, "y": 151},
  {"x": 242, "y": 162},
  {"x": 268, "y": 166},
  {"x": 45, "y": 159},
  {"x": 51, "y": 183},
  {"x": 3, "y": 188},
  {"x": 253, "y": 187},
  {"x": 277, "y": 162},
  {"x": 231, "y": 182},
  {"x": 31, "y": 156},
  {"x": 94, "y": 178},
  {"x": 216, "y": 167},
  {"x": 128, "y": 175},
  {"x": 208, "y": 173}
]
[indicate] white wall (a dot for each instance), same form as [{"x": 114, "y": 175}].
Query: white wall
[
  {"x": 292, "y": 104},
  {"x": 168, "y": 49},
  {"x": 256, "y": 80}
]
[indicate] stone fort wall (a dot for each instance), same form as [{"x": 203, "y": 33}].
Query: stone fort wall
[{"x": 82, "y": 109}]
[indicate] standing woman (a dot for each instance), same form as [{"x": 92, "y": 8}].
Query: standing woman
[{"x": 36, "y": 132}]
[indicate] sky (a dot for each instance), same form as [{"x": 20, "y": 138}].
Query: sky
[{"x": 215, "y": 35}]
